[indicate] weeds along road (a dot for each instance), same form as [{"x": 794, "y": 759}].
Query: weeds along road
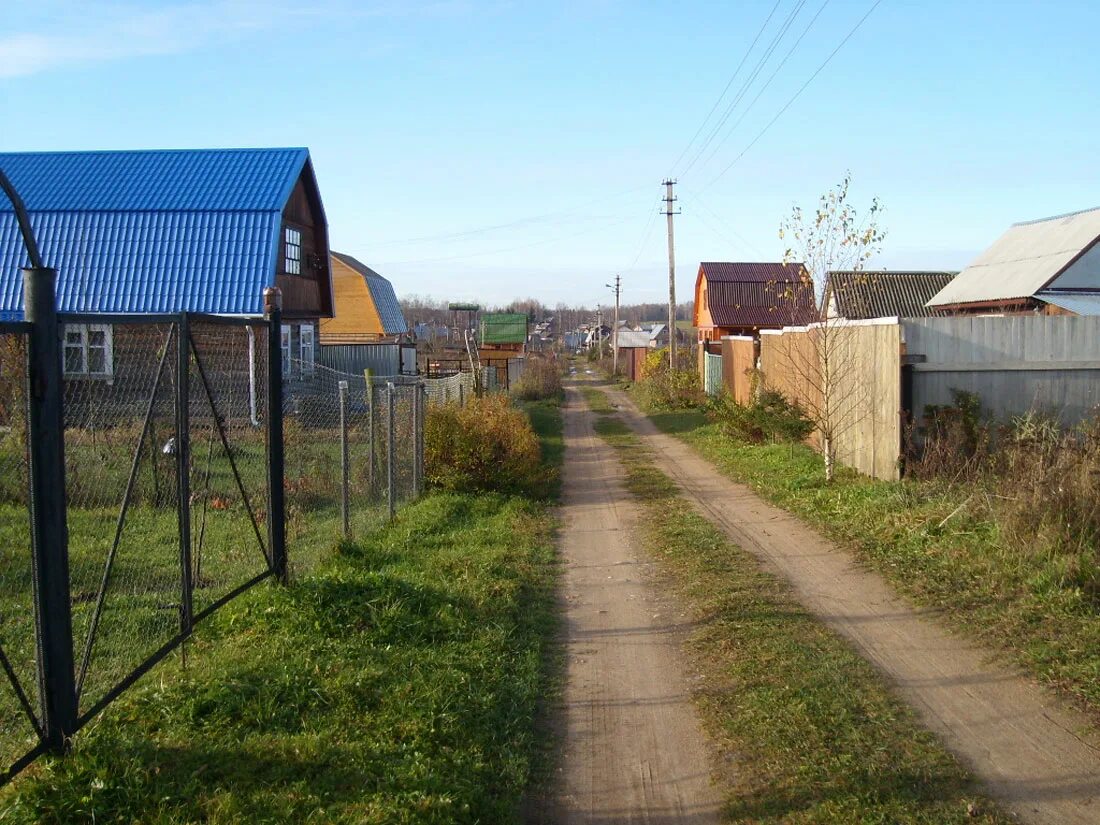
[
  {"x": 632, "y": 747},
  {"x": 1036, "y": 757}
]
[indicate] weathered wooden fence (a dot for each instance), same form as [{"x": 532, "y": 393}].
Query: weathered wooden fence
[
  {"x": 1014, "y": 364},
  {"x": 738, "y": 365}
]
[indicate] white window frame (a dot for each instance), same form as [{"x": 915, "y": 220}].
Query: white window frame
[
  {"x": 307, "y": 348},
  {"x": 292, "y": 250},
  {"x": 84, "y": 347},
  {"x": 284, "y": 340}
]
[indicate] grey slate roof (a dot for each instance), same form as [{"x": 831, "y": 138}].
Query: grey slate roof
[
  {"x": 1023, "y": 260},
  {"x": 870, "y": 294},
  {"x": 381, "y": 292},
  {"x": 631, "y": 338}
]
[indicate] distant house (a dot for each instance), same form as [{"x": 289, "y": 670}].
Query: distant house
[
  {"x": 633, "y": 346},
  {"x": 366, "y": 308},
  {"x": 1049, "y": 266},
  {"x": 165, "y": 232},
  {"x": 868, "y": 294},
  {"x": 744, "y": 298}
]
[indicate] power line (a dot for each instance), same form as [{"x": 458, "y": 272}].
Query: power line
[
  {"x": 779, "y": 35},
  {"x": 733, "y": 77},
  {"x": 796, "y": 95},
  {"x": 764, "y": 88},
  {"x": 645, "y": 235},
  {"x": 722, "y": 228}
]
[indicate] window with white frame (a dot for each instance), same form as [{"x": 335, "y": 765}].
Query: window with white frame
[
  {"x": 88, "y": 350},
  {"x": 285, "y": 342},
  {"x": 305, "y": 348},
  {"x": 293, "y": 251}
]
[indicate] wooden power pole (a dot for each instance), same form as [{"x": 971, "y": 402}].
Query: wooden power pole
[
  {"x": 669, "y": 212},
  {"x": 617, "y": 288}
]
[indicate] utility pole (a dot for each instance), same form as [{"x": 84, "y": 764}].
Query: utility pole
[
  {"x": 599, "y": 332},
  {"x": 617, "y": 288},
  {"x": 669, "y": 212}
]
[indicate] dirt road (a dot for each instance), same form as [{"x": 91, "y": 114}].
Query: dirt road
[
  {"x": 1034, "y": 755},
  {"x": 632, "y": 748}
]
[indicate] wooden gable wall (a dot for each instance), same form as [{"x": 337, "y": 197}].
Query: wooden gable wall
[
  {"x": 356, "y": 318},
  {"x": 308, "y": 294}
]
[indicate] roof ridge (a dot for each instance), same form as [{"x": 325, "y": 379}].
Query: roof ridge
[
  {"x": 157, "y": 151},
  {"x": 1058, "y": 217}
]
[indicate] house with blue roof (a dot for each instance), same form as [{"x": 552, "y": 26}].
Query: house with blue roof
[{"x": 163, "y": 232}]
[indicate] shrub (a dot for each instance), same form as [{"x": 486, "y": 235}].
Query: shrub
[
  {"x": 672, "y": 389},
  {"x": 770, "y": 417},
  {"x": 485, "y": 445},
  {"x": 540, "y": 381}
]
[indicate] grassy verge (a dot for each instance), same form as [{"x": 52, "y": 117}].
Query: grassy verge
[
  {"x": 400, "y": 683},
  {"x": 922, "y": 537},
  {"x": 813, "y": 734}
]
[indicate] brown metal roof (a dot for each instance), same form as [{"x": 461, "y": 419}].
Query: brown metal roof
[
  {"x": 760, "y": 295},
  {"x": 867, "y": 294},
  {"x": 759, "y": 272}
]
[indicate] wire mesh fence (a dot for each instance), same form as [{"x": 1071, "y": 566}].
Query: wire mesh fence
[
  {"x": 170, "y": 513},
  {"x": 19, "y": 700},
  {"x": 354, "y": 452}
]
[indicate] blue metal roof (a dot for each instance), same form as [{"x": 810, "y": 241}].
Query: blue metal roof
[{"x": 150, "y": 231}]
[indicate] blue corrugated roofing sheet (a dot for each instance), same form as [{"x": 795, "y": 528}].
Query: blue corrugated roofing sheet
[
  {"x": 381, "y": 292},
  {"x": 150, "y": 232}
]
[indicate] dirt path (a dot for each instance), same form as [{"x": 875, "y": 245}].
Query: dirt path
[
  {"x": 632, "y": 748},
  {"x": 1038, "y": 758}
]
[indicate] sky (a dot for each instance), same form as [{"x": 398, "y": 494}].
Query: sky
[{"x": 485, "y": 151}]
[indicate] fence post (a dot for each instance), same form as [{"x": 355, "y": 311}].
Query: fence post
[
  {"x": 345, "y": 460},
  {"x": 183, "y": 467},
  {"x": 49, "y": 527},
  {"x": 416, "y": 424},
  {"x": 422, "y": 397},
  {"x": 276, "y": 455},
  {"x": 370, "y": 432},
  {"x": 391, "y": 475}
]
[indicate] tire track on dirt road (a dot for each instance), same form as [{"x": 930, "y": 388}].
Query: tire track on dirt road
[
  {"x": 632, "y": 749},
  {"x": 1038, "y": 758}
]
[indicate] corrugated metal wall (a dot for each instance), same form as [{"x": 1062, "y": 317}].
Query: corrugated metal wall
[
  {"x": 1014, "y": 364},
  {"x": 712, "y": 374},
  {"x": 380, "y": 359}
]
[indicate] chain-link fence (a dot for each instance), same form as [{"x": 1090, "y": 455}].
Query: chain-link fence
[
  {"x": 354, "y": 452},
  {"x": 19, "y": 701},
  {"x": 170, "y": 455}
]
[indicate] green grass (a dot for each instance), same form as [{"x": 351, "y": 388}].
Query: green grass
[
  {"x": 1020, "y": 600},
  {"x": 811, "y": 732},
  {"x": 403, "y": 681}
]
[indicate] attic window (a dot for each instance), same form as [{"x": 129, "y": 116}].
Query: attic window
[{"x": 293, "y": 251}]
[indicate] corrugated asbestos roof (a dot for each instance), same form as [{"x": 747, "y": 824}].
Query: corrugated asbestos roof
[
  {"x": 381, "y": 292},
  {"x": 504, "y": 328},
  {"x": 1078, "y": 304},
  {"x": 1023, "y": 260},
  {"x": 759, "y": 294},
  {"x": 150, "y": 231},
  {"x": 632, "y": 338},
  {"x": 868, "y": 294}
]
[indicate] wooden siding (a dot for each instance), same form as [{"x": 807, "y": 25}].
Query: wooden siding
[
  {"x": 308, "y": 294},
  {"x": 356, "y": 319},
  {"x": 738, "y": 366},
  {"x": 702, "y": 320}
]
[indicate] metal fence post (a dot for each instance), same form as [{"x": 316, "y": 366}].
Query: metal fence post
[
  {"x": 422, "y": 394},
  {"x": 183, "y": 467},
  {"x": 345, "y": 461},
  {"x": 276, "y": 494},
  {"x": 416, "y": 423},
  {"x": 370, "y": 432},
  {"x": 49, "y": 527},
  {"x": 391, "y": 474}
]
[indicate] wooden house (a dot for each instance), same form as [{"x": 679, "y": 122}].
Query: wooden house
[
  {"x": 366, "y": 306},
  {"x": 158, "y": 233},
  {"x": 1048, "y": 267},
  {"x": 744, "y": 298},
  {"x": 633, "y": 347}
]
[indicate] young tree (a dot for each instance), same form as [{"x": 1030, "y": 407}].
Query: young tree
[{"x": 822, "y": 359}]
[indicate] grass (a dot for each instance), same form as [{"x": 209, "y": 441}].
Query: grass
[
  {"x": 811, "y": 732},
  {"x": 400, "y": 682},
  {"x": 1018, "y": 600}
]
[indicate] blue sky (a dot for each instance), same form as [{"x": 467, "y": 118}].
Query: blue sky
[{"x": 495, "y": 150}]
